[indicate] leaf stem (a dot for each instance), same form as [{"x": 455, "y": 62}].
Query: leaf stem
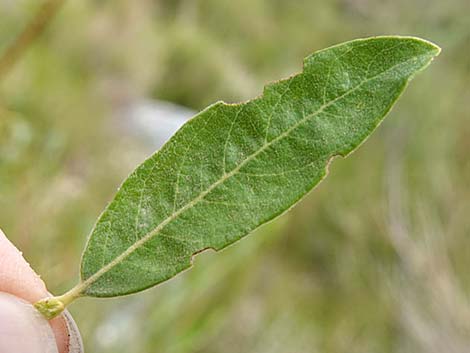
[{"x": 53, "y": 306}]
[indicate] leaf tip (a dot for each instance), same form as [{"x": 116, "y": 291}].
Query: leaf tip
[{"x": 433, "y": 48}]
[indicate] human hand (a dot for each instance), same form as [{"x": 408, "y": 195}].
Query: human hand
[{"x": 22, "y": 328}]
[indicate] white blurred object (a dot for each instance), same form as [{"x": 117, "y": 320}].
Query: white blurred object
[
  {"x": 119, "y": 329},
  {"x": 156, "y": 120}
]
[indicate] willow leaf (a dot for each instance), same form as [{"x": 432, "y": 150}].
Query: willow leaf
[{"x": 234, "y": 167}]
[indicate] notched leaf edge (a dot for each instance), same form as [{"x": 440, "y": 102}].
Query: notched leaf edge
[{"x": 266, "y": 89}]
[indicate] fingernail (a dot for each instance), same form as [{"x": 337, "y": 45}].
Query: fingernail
[
  {"x": 22, "y": 328},
  {"x": 75, "y": 339}
]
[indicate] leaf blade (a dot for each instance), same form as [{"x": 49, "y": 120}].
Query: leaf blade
[{"x": 234, "y": 167}]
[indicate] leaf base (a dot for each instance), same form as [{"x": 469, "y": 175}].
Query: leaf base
[{"x": 50, "y": 307}]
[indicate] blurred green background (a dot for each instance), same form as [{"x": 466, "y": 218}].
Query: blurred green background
[{"x": 374, "y": 260}]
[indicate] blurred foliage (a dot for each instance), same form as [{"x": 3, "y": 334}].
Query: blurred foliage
[{"x": 374, "y": 260}]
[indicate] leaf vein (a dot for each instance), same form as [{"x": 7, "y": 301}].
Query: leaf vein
[{"x": 120, "y": 258}]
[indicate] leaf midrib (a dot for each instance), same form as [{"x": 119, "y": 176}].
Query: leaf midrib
[{"x": 116, "y": 261}]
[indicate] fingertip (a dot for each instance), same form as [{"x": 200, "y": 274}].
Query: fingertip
[
  {"x": 19, "y": 279},
  {"x": 23, "y": 329},
  {"x": 16, "y": 275}
]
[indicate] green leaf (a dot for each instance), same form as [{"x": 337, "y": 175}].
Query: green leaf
[{"x": 234, "y": 167}]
